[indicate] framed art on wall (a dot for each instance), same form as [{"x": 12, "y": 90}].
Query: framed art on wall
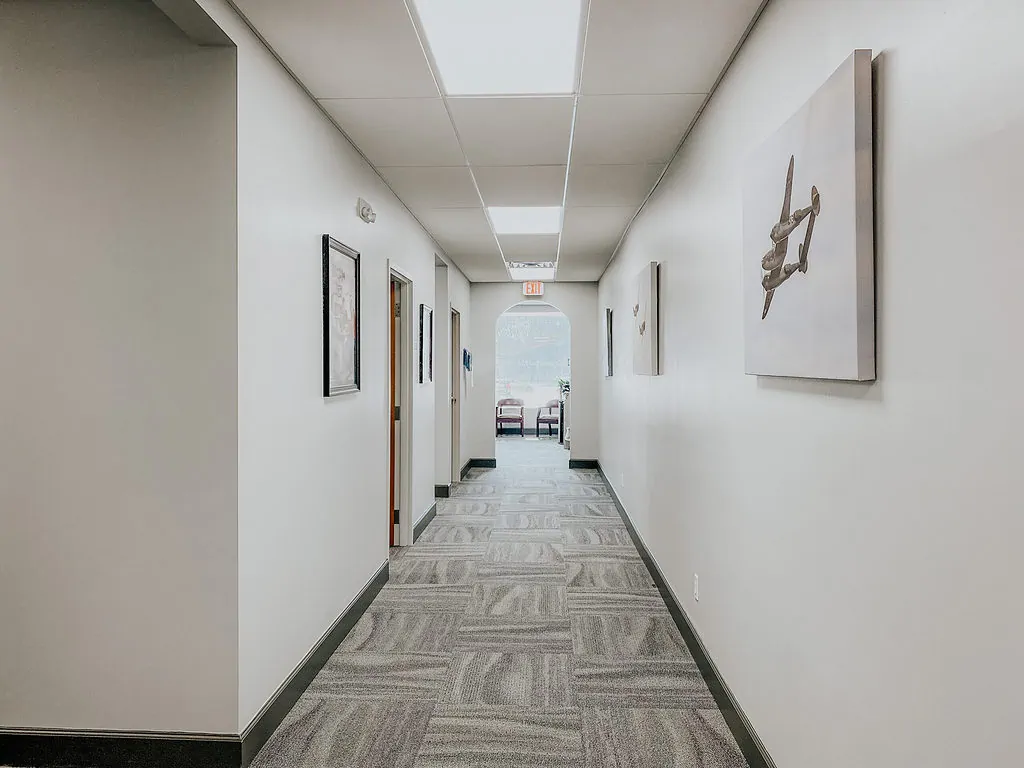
[
  {"x": 340, "y": 317},
  {"x": 608, "y": 341},
  {"x": 645, "y": 322},
  {"x": 808, "y": 293},
  {"x": 426, "y": 344}
]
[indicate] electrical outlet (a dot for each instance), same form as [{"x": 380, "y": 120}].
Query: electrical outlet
[{"x": 696, "y": 588}]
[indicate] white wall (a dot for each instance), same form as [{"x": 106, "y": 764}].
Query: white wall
[
  {"x": 578, "y": 301},
  {"x": 313, "y": 473},
  {"x": 118, "y": 411},
  {"x": 857, "y": 545}
]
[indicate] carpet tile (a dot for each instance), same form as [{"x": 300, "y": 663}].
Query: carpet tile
[
  {"x": 522, "y": 630},
  {"x": 514, "y": 634},
  {"x": 658, "y": 738}
]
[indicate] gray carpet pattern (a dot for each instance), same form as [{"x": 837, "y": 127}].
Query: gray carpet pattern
[{"x": 521, "y": 631}]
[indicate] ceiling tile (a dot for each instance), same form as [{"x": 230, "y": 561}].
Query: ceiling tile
[
  {"x": 676, "y": 46},
  {"x": 529, "y": 247},
  {"x": 514, "y": 131},
  {"x": 622, "y": 185},
  {"x": 485, "y": 274},
  {"x": 456, "y": 222},
  {"x": 469, "y": 257},
  {"x": 631, "y": 129},
  {"x": 580, "y": 273},
  {"x": 589, "y": 233},
  {"x": 521, "y": 185},
  {"x": 423, "y": 188},
  {"x": 463, "y": 233},
  {"x": 332, "y": 46},
  {"x": 475, "y": 255},
  {"x": 409, "y": 132}
]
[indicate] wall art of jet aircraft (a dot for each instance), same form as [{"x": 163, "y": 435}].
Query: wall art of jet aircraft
[{"x": 773, "y": 263}]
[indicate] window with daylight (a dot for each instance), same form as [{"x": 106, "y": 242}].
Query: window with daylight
[{"x": 531, "y": 354}]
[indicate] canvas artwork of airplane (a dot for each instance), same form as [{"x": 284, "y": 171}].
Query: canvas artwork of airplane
[
  {"x": 802, "y": 321},
  {"x": 773, "y": 263}
]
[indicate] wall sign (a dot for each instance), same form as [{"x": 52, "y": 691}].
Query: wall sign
[{"x": 533, "y": 288}]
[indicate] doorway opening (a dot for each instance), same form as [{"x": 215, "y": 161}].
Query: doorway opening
[
  {"x": 532, "y": 374},
  {"x": 400, "y": 428}
]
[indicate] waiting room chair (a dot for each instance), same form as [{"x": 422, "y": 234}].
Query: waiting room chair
[
  {"x": 548, "y": 415},
  {"x": 510, "y": 410}
]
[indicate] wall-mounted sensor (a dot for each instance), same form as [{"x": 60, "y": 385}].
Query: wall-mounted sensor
[{"x": 366, "y": 213}]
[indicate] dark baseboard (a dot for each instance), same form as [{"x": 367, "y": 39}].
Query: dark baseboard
[
  {"x": 266, "y": 722},
  {"x": 751, "y": 746},
  {"x": 442, "y": 491},
  {"x": 584, "y": 464},
  {"x": 429, "y": 515},
  {"x": 465, "y": 468},
  {"x": 479, "y": 464},
  {"x": 78, "y": 749}
]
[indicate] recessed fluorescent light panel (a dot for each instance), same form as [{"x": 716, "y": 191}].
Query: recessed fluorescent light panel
[
  {"x": 501, "y": 47},
  {"x": 526, "y": 221},
  {"x": 543, "y": 270}
]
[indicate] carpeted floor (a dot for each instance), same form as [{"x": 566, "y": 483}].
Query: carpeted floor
[{"x": 521, "y": 631}]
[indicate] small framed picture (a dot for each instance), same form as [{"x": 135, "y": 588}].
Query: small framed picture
[
  {"x": 426, "y": 344},
  {"x": 341, "y": 317},
  {"x": 608, "y": 341}
]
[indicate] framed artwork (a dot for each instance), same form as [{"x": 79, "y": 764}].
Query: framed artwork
[
  {"x": 645, "y": 322},
  {"x": 809, "y": 305},
  {"x": 426, "y": 344},
  {"x": 608, "y": 340},
  {"x": 341, "y": 317}
]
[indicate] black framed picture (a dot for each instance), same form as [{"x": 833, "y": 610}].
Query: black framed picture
[
  {"x": 608, "y": 340},
  {"x": 426, "y": 344},
  {"x": 341, "y": 317}
]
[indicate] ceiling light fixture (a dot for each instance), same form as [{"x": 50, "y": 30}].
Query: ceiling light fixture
[
  {"x": 502, "y": 47},
  {"x": 545, "y": 220},
  {"x": 531, "y": 270}
]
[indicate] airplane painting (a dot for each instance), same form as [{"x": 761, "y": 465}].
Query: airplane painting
[
  {"x": 773, "y": 263},
  {"x": 645, "y": 322},
  {"x": 812, "y": 314}
]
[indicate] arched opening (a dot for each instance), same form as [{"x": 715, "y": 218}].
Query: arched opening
[{"x": 532, "y": 371}]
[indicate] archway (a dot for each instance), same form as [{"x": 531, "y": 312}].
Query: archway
[{"x": 532, "y": 371}]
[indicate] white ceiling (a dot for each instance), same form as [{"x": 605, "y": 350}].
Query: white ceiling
[{"x": 646, "y": 69}]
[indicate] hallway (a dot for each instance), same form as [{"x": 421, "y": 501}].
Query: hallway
[
  {"x": 522, "y": 629},
  {"x": 786, "y": 497}
]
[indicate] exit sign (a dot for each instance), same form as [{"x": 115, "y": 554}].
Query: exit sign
[{"x": 533, "y": 288}]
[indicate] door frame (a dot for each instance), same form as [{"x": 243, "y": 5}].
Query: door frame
[
  {"x": 405, "y": 386},
  {"x": 455, "y": 422}
]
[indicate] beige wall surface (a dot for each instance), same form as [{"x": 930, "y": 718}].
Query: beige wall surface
[{"x": 118, "y": 480}]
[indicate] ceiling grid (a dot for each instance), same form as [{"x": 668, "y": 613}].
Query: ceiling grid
[{"x": 467, "y": 105}]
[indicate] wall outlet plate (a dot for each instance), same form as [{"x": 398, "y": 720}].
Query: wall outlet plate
[{"x": 696, "y": 588}]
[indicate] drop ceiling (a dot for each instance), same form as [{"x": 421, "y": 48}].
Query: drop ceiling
[{"x": 642, "y": 70}]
